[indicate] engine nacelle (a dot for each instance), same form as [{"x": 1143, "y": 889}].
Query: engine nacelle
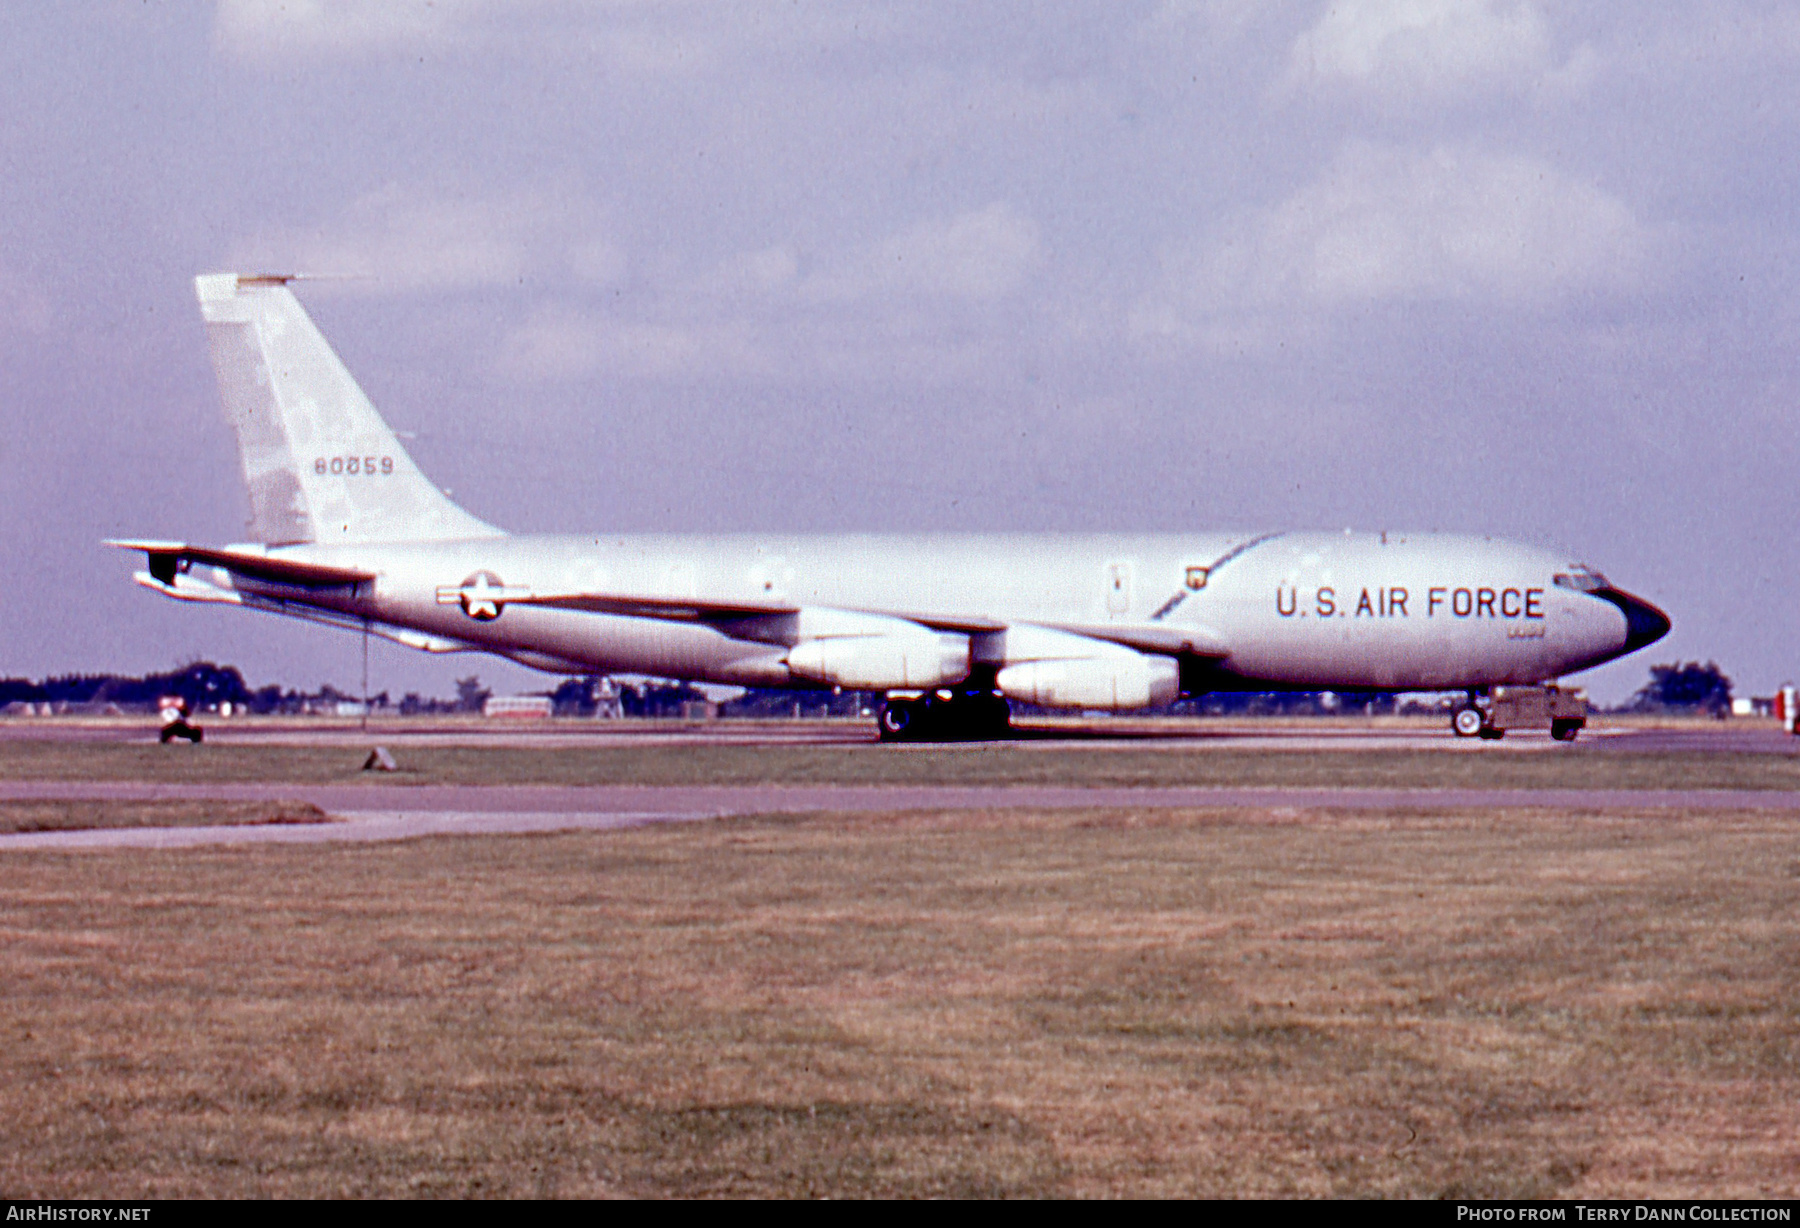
[
  {"x": 868, "y": 652},
  {"x": 1056, "y": 669}
]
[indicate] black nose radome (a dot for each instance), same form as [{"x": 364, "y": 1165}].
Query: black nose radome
[{"x": 1644, "y": 623}]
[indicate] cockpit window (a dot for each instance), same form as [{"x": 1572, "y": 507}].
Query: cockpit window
[{"x": 1581, "y": 578}]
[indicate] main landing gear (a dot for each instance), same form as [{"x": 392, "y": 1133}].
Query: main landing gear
[{"x": 962, "y": 714}]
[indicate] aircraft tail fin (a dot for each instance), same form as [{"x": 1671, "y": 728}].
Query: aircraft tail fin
[{"x": 320, "y": 463}]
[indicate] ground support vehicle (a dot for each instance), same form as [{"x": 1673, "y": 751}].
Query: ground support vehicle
[{"x": 1560, "y": 710}]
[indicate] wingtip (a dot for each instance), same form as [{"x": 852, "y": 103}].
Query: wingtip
[{"x": 153, "y": 547}]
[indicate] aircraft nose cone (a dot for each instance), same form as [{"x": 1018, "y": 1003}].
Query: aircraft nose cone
[{"x": 1644, "y": 623}]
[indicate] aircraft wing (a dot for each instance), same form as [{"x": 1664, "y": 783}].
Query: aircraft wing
[
  {"x": 168, "y": 558},
  {"x": 671, "y": 609},
  {"x": 692, "y": 609},
  {"x": 1189, "y": 641},
  {"x": 1170, "y": 640}
]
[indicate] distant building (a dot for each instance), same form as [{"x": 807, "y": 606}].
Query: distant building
[{"x": 517, "y": 707}]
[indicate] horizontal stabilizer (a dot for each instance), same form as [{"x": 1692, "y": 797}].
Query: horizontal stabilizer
[
  {"x": 169, "y": 559},
  {"x": 187, "y": 588}
]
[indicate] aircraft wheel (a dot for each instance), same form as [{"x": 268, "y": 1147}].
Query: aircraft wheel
[
  {"x": 1492, "y": 734},
  {"x": 1467, "y": 722},
  {"x": 1565, "y": 730},
  {"x": 897, "y": 720}
]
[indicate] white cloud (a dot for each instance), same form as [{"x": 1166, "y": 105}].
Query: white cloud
[
  {"x": 566, "y": 344},
  {"x": 571, "y": 344},
  {"x": 1422, "y": 47},
  {"x": 275, "y": 28},
  {"x": 1218, "y": 17},
  {"x": 984, "y": 254},
  {"x": 643, "y": 37},
  {"x": 399, "y": 241},
  {"x": 899, "y": 308},
  {"x": 1385, "y": 225}
]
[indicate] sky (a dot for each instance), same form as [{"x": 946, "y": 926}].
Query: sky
[{"x": 1517, "y": 269}]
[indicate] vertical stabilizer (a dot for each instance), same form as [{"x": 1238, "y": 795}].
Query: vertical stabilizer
[{"x": 320, "y": 464}]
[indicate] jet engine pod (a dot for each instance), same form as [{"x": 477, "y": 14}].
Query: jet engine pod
[
  {"x": 1055, "y": 669},
  {"x": 868, "y": 652}
]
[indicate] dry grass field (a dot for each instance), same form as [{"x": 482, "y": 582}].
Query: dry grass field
[
  {"x": 77, "y": 814},
  {"x": 1242, "y": 1002},
  {"x": 1452, "y": 765}
]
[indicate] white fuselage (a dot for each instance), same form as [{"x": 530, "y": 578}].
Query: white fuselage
[{"x": 1289, "y": 610}]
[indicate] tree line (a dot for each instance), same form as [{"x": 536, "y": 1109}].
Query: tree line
[{"x": 1682, "y": 687}]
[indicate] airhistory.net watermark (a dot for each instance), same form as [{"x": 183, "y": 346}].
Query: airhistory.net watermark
[{"x": 65, "y": 1213}]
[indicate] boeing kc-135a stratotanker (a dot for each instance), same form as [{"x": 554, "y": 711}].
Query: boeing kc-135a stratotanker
[{"x": 346, "y": 530}]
